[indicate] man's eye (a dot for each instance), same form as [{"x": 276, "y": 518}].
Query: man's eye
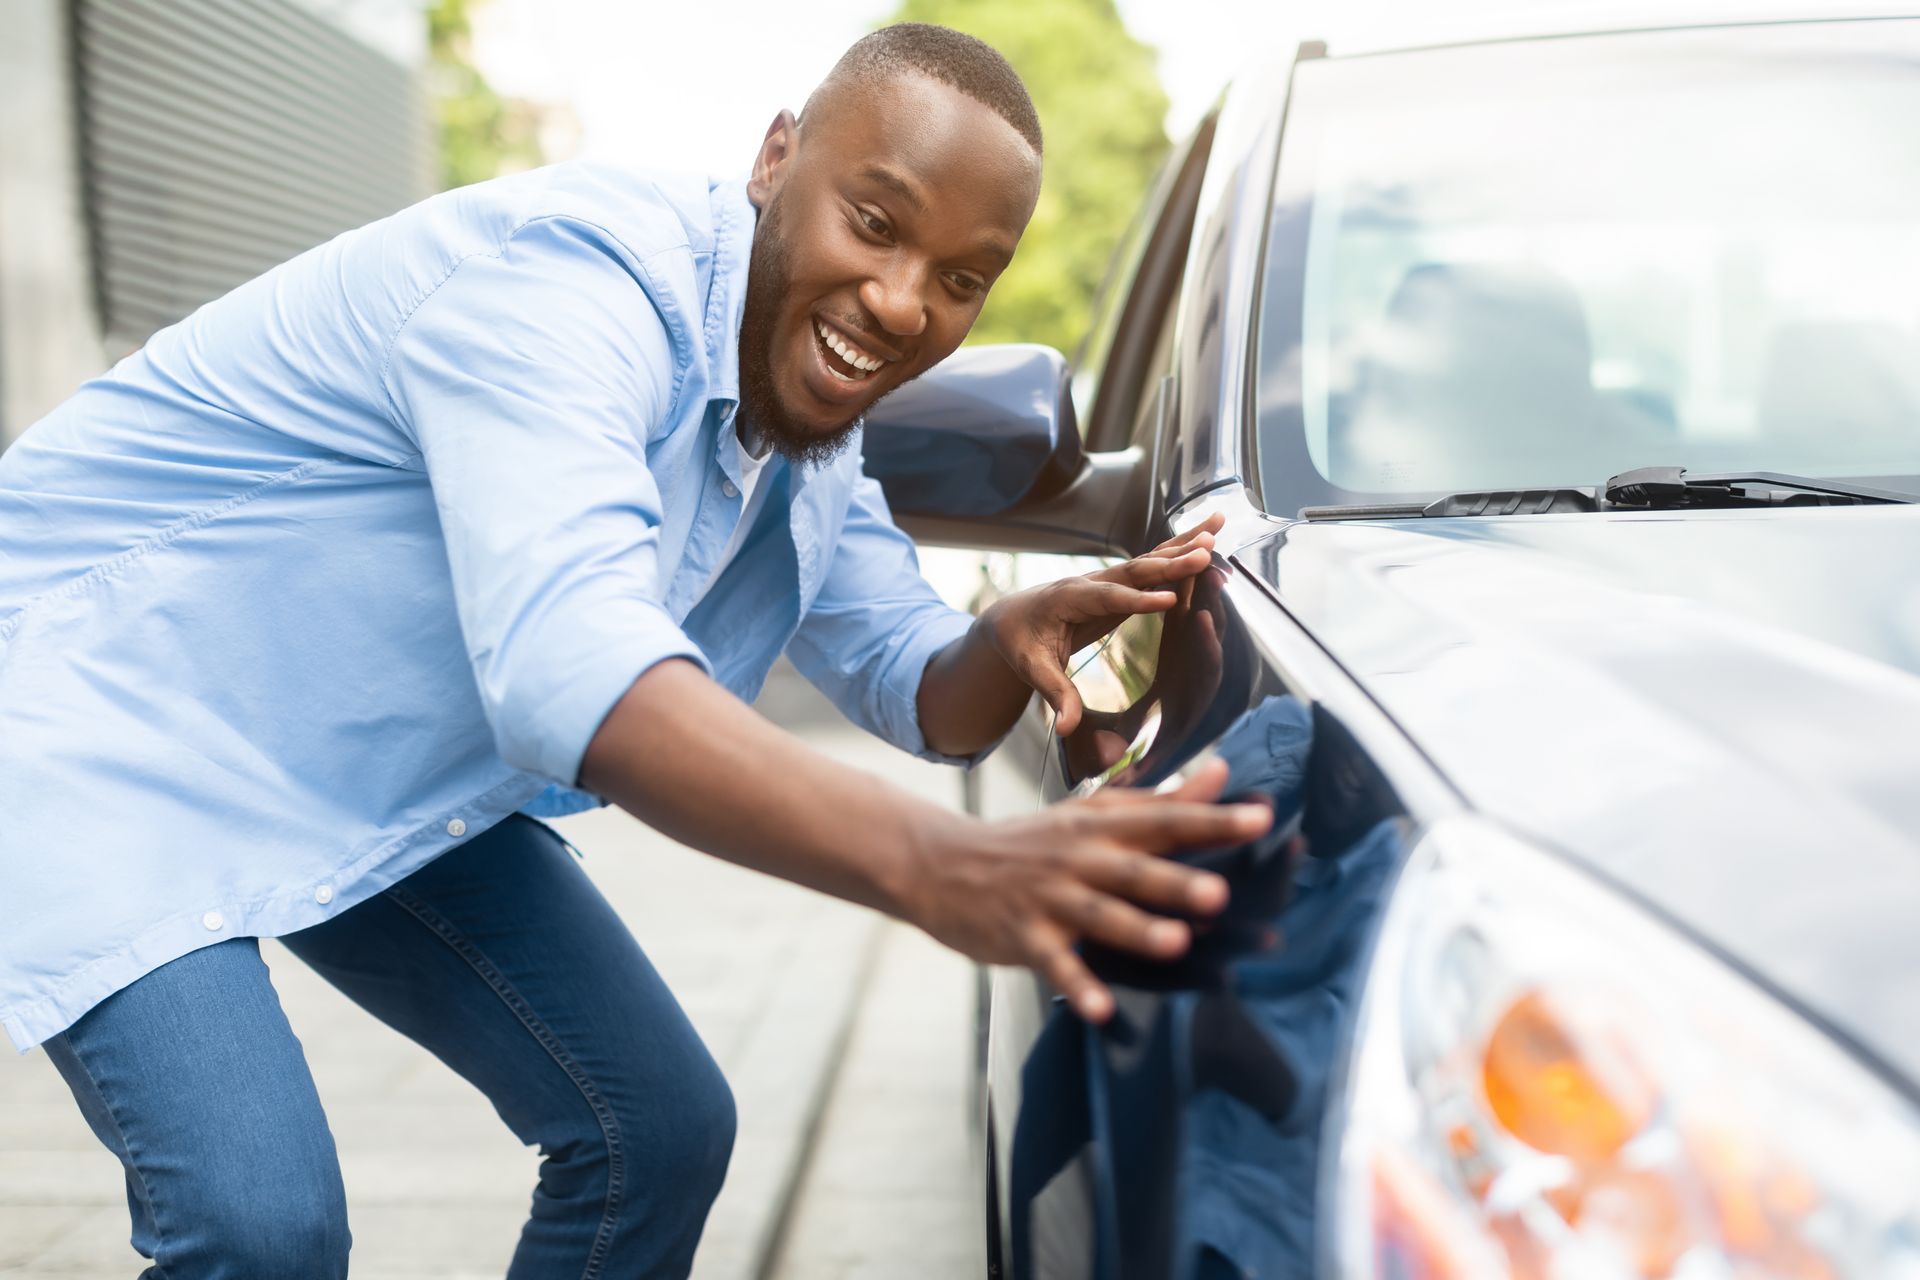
[
  {"x": 967, "y": 284},
  {"x": 875, "y": 225}
]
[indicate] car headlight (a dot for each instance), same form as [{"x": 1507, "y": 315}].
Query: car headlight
[{"x": 1549, "y": 1083}]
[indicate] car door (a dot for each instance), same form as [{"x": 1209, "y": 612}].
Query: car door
[
  {"x": 1183, "y": 1139},
  {"x": 1128, "y": 348}
]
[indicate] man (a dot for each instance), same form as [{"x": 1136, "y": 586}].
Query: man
[{"x": 496, "y": 506}]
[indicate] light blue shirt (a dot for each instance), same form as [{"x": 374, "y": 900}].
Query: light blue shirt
[{"x": 352, "y": 563}]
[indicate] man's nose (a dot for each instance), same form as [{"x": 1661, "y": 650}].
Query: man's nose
[{"x": 897, "y": 300}]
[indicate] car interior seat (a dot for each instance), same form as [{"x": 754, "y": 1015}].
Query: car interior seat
[{"x": 1476, "y": 371}]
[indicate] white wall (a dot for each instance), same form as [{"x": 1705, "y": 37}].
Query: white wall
[
  {"x": 398, "y": 28},
  {"x": 49, "y": 333}
]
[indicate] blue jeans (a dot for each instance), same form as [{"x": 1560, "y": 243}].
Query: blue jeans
[{"x": 502, "y": 959}]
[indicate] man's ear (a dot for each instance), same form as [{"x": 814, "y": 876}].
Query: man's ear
[{"x": 775, "y": 155}]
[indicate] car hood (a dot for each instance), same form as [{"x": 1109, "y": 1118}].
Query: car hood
[{"x": 1719, "y": 712}]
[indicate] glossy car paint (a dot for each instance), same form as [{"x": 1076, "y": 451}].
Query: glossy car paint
[
  {"x": 1719, "y": 713},
  {"x": 1716, "y": 713},
  {"x": 976, "y": 433},
  {"x": 1184, "y": 1137}
]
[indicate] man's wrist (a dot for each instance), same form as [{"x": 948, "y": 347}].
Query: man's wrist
[
  {"x": 985, "y": 636},
  {"x": 931, "y": 836}
]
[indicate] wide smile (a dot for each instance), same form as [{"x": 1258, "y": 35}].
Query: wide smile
[{"x": 845, "y": 360}]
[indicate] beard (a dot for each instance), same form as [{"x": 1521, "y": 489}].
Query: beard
[{"x": 769, "y": 281}]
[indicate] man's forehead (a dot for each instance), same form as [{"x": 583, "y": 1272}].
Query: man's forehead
[{"x": 922, "y": 140}]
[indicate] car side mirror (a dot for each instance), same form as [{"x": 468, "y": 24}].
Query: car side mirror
[
  {"x": 983, "y": 450},
  {"x": 973, "y": 436}
]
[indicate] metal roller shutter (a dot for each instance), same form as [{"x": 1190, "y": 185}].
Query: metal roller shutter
[{"x": 221, "y": 137}]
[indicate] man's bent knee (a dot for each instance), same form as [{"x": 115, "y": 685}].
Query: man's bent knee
[
  {"x": 681, "y": 1143},
  {"x": 289, "y": 1233},
  {"x": 704, "y": 1140},
  {"x": 655, "y": 1161}
]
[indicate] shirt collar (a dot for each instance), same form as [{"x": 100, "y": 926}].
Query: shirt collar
[{"x": 733, "y": 221}]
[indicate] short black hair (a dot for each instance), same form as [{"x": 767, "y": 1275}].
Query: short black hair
[{"x": 970, "y": 65}]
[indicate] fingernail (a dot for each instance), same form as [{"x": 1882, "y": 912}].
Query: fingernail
[
  {"x": 1166, "y": 935},
  {"x": 1253, "y": 814},
  {"x": 1208, "y": 893},
  {"x": 1095, "y": 1006}
]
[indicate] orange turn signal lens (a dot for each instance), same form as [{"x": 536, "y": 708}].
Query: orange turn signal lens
[{"x": 1559, "y": 1077}]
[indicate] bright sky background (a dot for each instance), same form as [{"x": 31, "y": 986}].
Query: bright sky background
[{"x": 694, "y": 86}]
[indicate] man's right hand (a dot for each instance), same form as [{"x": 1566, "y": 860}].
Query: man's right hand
[
  {"x": 1025, "y": 891},
  {"x": 696, "y": 764}
]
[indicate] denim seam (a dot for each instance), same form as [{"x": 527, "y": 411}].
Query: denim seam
[
  {"x": 120, "y": 1131},
  {"x": 521, "y": 1009}
]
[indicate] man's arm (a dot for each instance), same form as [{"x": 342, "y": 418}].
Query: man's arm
[
  {"x": 975, "y": 688},
  {"x": 528, "y": 381},
  {"x": 692, "y": 761}
]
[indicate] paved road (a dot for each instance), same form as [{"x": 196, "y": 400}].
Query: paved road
[
  {"x": 806, "y": 1002},
  {"x": 890, "y": 1189}
]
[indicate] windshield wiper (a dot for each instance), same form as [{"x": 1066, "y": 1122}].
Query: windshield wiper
[
  {"x": 1646, "y": 489},
  {"x": 1665, "y": 488}
]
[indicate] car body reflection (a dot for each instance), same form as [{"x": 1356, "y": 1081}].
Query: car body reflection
[{"x": 1183, "y": 1139}]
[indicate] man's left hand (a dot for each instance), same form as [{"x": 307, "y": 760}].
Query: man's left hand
[{"x": 1036, "y": 631}]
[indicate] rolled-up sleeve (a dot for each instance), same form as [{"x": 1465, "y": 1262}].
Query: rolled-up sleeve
[
  {"x": 875, "y": 625},
  {"x": 530, "y": 380}
]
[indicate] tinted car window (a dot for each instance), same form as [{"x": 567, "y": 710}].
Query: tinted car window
[
  {"x": 1136, "y": 302},
  {"x": 1577, "y": 257},
  {"x": 1090, "y": 361}
]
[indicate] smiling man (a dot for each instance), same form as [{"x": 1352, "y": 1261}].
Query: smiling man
[{"x": 498, "y": 507}]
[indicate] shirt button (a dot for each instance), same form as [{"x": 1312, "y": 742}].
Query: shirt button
[
  {"x": 729, "y": 488},
  {"x": 214, "y": 921},
  {"x": 323, "y": 895},
  {"x": 456, "y": 828}
]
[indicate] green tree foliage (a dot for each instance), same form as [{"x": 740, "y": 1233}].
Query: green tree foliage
[
  {"x": 481, "y": 133},
  {"x": 1102, "y": 109}
]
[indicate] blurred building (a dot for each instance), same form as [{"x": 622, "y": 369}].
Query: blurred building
[{"x": 156, "y": 153}]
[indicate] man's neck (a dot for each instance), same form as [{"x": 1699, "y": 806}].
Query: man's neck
[{"x": 756, "y": 446}]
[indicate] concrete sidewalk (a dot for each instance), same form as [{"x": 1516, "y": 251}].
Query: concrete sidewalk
[
  {"x": 891, "y": 1188},
  {"x": 772, "y": 975}
]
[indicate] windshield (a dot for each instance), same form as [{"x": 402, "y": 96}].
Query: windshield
[{"x": 1543, "y": 263}]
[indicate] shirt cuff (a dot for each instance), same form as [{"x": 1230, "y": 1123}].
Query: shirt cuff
[
  {"x": 562, "y": 698},
  {"x": 899, "y": 709}
]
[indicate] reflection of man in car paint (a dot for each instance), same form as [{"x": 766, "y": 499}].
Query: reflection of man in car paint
[
  {"x": 1179, "y": 711},
  {"x": 1192, "y": 1127},
  {"x": 495, "y": 507},
  {"x": 1251, "y": 1129}
]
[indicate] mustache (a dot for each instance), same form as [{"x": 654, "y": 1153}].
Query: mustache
[{"x": 864, "y": 327}]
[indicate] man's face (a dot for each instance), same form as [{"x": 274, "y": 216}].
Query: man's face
[{"x": 884, "y": 220}]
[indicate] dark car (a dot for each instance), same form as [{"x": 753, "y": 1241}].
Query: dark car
[{"x": 1562, "y": 396}]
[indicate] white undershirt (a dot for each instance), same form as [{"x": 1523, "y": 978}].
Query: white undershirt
[{"x": 752, "y": 497}]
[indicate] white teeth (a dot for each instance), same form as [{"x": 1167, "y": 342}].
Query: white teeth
[{"x": 847, "y": 351}]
